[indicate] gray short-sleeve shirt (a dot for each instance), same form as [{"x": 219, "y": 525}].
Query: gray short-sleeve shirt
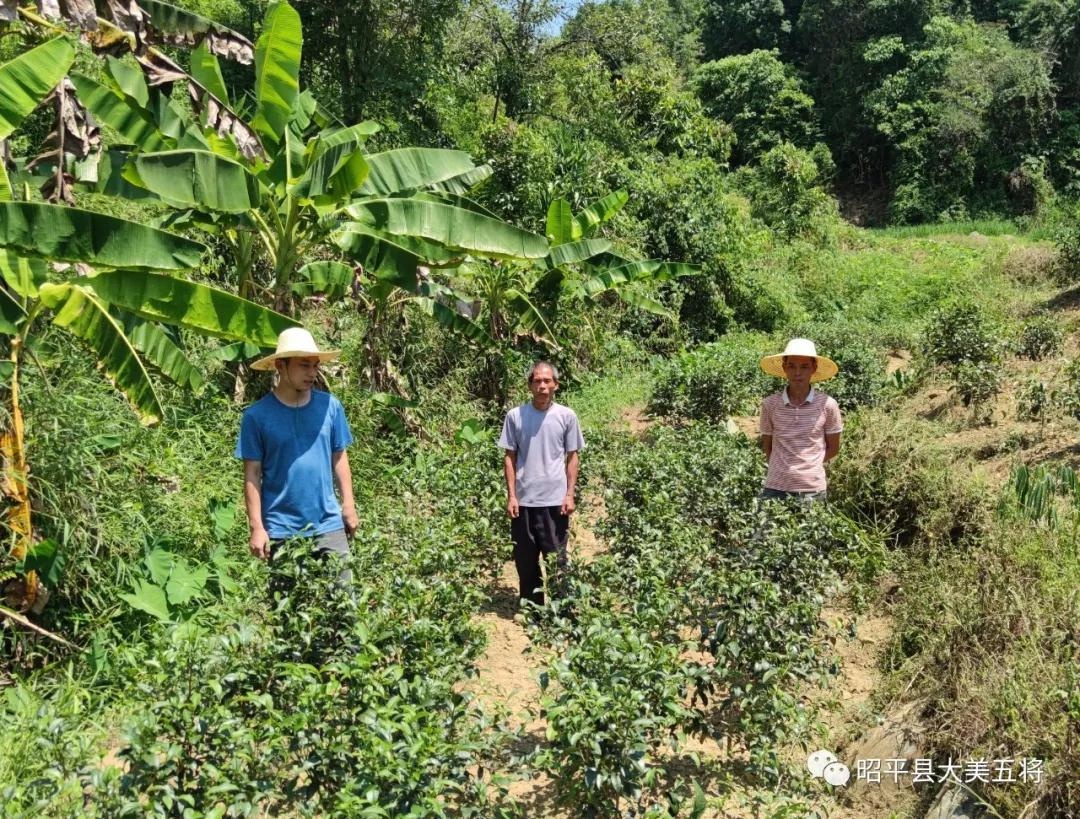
[{"x": 542, "y": 440}]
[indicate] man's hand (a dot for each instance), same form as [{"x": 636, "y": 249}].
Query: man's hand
[
  {"x": 512, "y": 508},
  {"x": 260, "y": 543},
  {"x": 568, "y": 506},
  {"x": 351, "y": 521}
]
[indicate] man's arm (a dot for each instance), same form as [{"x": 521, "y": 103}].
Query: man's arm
[
  {"x": 260, "y": 540},
  {"x": 339, "y": 461},
  {"x": 766, "y": 446},
  {"x": 572, "y": 463},
  {"x": 510, "y": 473},
  {"x": 832, "y": 445}
]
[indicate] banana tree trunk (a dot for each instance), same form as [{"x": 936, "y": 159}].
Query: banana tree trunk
[{"x": 20, "y": 593}]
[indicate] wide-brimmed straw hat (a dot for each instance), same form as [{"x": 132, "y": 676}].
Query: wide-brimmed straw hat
[
  {"x": 774, "y": 364},
  {"x": 296, "y": 342}
]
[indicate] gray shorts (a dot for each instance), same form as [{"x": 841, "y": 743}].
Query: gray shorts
[{"x": 807, "y": 498}]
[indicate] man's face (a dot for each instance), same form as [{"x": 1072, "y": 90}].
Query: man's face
[
  {"x": 542, "y": 385},
  {"x": 799, "y": 368},
  {"x": 301, "y": 373}
]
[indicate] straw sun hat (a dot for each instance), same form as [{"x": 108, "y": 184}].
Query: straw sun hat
[
  {"x": 295, "y": 342},
  {"x": 774, "y": 364}
]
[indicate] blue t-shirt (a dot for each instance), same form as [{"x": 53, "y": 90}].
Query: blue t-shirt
[{"x": 294, "y": 445}]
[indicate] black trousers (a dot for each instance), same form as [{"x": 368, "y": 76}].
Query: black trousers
[{"x": 536, "y": 531}]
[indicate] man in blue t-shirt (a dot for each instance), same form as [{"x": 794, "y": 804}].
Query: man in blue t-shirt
[{"x": 292, "y": 442}]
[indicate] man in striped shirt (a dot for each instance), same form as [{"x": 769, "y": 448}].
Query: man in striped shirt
[{"x": 800, "y": 427}]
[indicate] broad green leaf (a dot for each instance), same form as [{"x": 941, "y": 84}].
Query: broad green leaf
[
  {"x": 642, "y": 302},
  {"x": 189, "y": 304},
  {"x": 159, "y": 562},
  {"x": 404, "y": 169},
  {"x": 277, "y": 70},
  {"x": 450, "y": 226},
  {"x": 465, "y": 182},
  {"x": 455, "y": 199},
  {"x": 84, "y": 315},
  {"x": 66, "y": 234},
  {"x": 5, "y": 182},
  {"x": 23, "y": 275},
  {"x": 355, "y": 235},
  {"x": 207, "y": 72},
  {"x": 222, "y": 516},
  {"x": 130, "y": 81},
  {"x": 353, "y": 135},
  {"x": 149, "y": 598},
  {"x": 561, "y": 227},
  {"x": 48, "y": 560},
  {"x": 337, "y": 169},
  {"x": 186, "y": 582},
  {"x": 195, "y": 179},
  {"x": 600, "y": 211},
  {"x": 111, "y": 181},
  {"x": 182, "y": 27},
  {"x": 574, "y": 252},
  {"x": 237, "y": 351},
  {"x": 161, "y": 351},
  {"x": 11, "y": 315},
  {"x": 391, "y": 262},
  {"x": 529, "y": 317},
  {"x": 29, "y": 78},
  {"x": 330, "y": 278},
  {"x": 121, "y": 113},
  {"x": 473, "y": 432},
  {"x": 641, "y": 271}
]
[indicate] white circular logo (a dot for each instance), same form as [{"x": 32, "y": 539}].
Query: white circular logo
[
  {"x": 837, "y": 773},
  {"x": 816, "y": 762}
]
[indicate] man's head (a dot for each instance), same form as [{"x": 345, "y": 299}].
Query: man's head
[
  {"x": 799, "y": 362},
  {"x": 543, "y": 381},
  {"x": 799, "y": 369},
  {"x": 299, "y": 373}
]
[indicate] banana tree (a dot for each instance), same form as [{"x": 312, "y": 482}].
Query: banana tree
[
  {"x": 520, "y": 301},
  {"x": 283, "y": 201},
  {"x": 111, "y": 284},
  {"x": 73, "y": 150}
]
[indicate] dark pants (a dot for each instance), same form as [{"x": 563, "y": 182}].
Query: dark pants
[
  {"x": 538, "y": 530},
  {"x": 331, "y": 543}
]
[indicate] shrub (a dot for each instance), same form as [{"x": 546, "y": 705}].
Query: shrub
[
  {"x": 892, "y": 475},
  {"x": 1040, "y": 337},
  {"x": 713, "y": 381},
  {"x": 1067, "y": 242},
  {"x": 1034, "y": 401},
  {"x": 961, "y": 332},
  {"x": 1070, "y": 389}
]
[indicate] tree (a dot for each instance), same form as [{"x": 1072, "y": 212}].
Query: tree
[
  {"x": 740, "y": 26},
  {"x": 762, "y": 100},
  {"x": 114, "y": 292}
]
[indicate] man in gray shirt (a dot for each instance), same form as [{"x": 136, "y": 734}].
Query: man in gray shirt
[{"x": 541, "y": 440}]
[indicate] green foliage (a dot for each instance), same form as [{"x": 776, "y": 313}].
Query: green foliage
[
  {"x": 787, "y": 192},
  {"x": 738, "y": 27},
  {"x": 762, "y": 100},
  {"x": 1070, "y": 390},
  {"x": 1040, "y": 337},
  {"x": 961, "y": 333},
  {"x": 714, "y": 381},
  {"x": 1035, "y": 401},
  {"x": 1067, "y": 241},
  {"x": 689, "y": 552},
  {"x": 894, "y": 476}
]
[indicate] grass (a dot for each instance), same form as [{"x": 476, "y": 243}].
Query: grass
[{"x": 987, "y": 227}]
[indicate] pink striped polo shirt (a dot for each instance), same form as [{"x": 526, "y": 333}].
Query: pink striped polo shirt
[{"x": 797, "y": 463}]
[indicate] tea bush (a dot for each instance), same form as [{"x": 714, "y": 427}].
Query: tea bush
[
  {"x": 1041, "y": 336},
  {"x": 958, "y": 333},
  {"x": 693, "y": 565},
  {"x": 713, "y": 381}
]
